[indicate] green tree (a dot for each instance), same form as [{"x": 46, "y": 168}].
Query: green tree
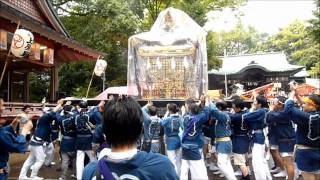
[
  {"x": 296, "y": 41},
  {"x": 314, "y": 29},
  {"x": 240, "y": 40},
  {"x": 39, "y": 86},
  {"x": 104, "y": 25},
  {"x": 214, "y": 51},
  {"x": 315, "y": 71},
  {"x": 196, "y": 9}
]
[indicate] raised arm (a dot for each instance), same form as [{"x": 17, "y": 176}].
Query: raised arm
[
  {"x": 215, "y": 113},
  {"x": 59, "y": 106},
  {"x": 145, "y": 110},
  {"x": 253, "y": 116},
  {"x": 297, "y": 116},
  {"x": 10, "y": 140}
]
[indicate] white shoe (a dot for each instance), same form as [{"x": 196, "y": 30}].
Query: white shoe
[
  {"x": 217, "y": 172},
  {"x": 221, "y": 175},
  {"x": 213, "y": 167},
  {"x": 280, "y": 174},
  {"x": 24, "y": 178},
  {"x": 36, "y": 178},
  {"x": 296, "y": 175},
  {"x": 276, "y": 170},
  {"x": 238, "y": 173},
  {"x": 73, "y": 176}
]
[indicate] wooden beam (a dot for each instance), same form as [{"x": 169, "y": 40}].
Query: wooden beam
[
  {"x": 52, "y": 85},
  {"x": 26, "y": 88}
]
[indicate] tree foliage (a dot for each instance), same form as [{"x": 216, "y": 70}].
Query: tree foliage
[
  {"x": 39, "y": 84},
  {"x": 314, "y": 29},
  {"x": 240, "y": 40},
  {"x": 104, "y": 25},
  {"x": 297, "y": 42},
  {"x": 196, "y": 9}
]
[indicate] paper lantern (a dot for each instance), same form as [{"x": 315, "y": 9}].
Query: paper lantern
[
  {"x": 3, "y": 39},
  {"x": 21, "y": 43},
  {"x": 100, "y": 67},
  {"x": 48, "y": 56},
  {"x": 35, "y": 52}
]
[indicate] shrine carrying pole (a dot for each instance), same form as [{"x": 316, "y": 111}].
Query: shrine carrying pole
[
  {"x": 90, "y": 81},
  {"x": 7, "y": 59}
]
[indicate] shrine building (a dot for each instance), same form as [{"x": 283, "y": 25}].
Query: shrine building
[{"x": 255, "y": 70}]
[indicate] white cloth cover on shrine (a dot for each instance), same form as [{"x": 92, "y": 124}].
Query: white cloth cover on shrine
[{"x": 179, "y": 30}]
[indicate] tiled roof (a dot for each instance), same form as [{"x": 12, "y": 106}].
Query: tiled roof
[{"x": 269, "y": 62}]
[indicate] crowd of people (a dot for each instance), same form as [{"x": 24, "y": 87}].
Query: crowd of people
[{"x": 123, "y": 140}]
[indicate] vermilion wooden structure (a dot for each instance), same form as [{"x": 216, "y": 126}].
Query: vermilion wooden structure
[{"x": 53, "y": 46}]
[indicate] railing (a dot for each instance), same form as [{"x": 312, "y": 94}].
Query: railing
[{"x": 12, "y": 109}]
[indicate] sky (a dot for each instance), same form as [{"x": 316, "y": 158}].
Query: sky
[{"x": 267, "y": 16}]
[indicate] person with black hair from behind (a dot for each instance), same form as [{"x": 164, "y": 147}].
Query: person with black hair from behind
[
  {"x": 255, "y": 121},
  {"x": 278, "y": 168},
  {"x": 85, "y": 122},
  {"x": 192, "y": 142},
  {"x": 307, "y": 154},
  {"x": 223, "y": 140},
  {"x": 66, "y": 122},
  {"x": 152, "y": 128},
  {"x": 240, "y": 137},
  {"x": 207, "y": 130},
  {"x": 172, "y": 125},
  {"x": 122, "y": 125}
]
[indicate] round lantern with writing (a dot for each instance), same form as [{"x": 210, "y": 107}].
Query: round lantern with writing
[{"x": 21, "y": 43}]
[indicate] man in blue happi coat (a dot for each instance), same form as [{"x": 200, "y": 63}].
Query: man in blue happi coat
[{"x": 10, "y": 142}]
